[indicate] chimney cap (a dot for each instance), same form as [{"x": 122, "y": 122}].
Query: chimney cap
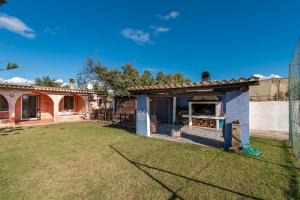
[
  {"x": 72, "y": 84},
  {"x": 205, "y": 76}
]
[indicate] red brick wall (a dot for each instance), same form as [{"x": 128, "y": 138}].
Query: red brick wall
[
  {"x": 18, "y": 110},
  {"x": 4, "y": 114},
  {"x": 76, "y": 101},
  {"x": 46, "y": 107},
  {"x": 79, "y": 104}
]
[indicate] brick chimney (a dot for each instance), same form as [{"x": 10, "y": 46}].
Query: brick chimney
[
  {"x": 72, "y": 84},
  {"x": 205, "y": 76}
]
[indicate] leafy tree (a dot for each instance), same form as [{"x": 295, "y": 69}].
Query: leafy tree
[
  {"x": 48, "y": 82},
  {"x": 130, "y": 75},
  {"x": 180, "y": 79},
  {"x": 147, "y": 78},
  {"x": 10, "y": 66},
  {"x": 160, "y": 78},
  {"x": 96, "y": 74},
  {"x": 119, "y": 80},
  {"x": 168, "y": 79}
]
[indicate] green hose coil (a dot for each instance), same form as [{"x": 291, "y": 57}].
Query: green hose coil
[{"x": 247, "y": 149}]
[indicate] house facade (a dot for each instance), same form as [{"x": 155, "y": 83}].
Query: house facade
[
  {"x": 27, "y": 104},
  {"x": 273, "y": 89},
  {"x": 212, "y": 104}
]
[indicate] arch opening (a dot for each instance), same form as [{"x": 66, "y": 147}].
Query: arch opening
[
  {"x": 37, "y": 106},
  {"x": 72, "y": 104},
  {"x": 4, "y": 108}
]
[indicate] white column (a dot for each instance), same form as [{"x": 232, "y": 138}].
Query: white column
[
  {"x": 174, "y": 110},
  {"x": 217, "y": 124},
  {"x": 148, "y": 116},
  {"x": 218, "y": 112},
  {"x": 190, "y": 114},
  {"x": 142, "y": 115},
  {"x": 218, "y": 109}
]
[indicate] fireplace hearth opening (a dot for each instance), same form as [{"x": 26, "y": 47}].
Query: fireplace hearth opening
[{"x": 204, "y": 109}]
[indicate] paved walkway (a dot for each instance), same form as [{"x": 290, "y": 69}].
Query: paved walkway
[
  {"x": 277, "y": 135},
  {"x": 193, "y": 135}
]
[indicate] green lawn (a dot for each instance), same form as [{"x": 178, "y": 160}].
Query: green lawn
[{"x": 88, "y": 161}]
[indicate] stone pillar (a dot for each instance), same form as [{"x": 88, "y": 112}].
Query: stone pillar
[
  {"x": 142, "y": 115},
  {"x": 12, "y": 98},
  {"x": 56, "y": 99},
  {"x": 174, "y": 110},
  {"x": 236, "y": 108},
  {"x": 190, "y": 114}
]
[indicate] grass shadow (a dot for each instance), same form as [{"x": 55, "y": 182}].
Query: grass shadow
[
  {"x": 202, "y": 170},
  {"x": 288, "y": 167},
  {"x": 203, "y": 140},
  {"x": 138, "y": 166},
  {"x": 175, "y": 194},
  {"x": 119, "y": 126},
  {"x": 10, "y": 131}
]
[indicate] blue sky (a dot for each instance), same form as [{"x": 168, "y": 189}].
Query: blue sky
[{"x": 228, "y": 38}]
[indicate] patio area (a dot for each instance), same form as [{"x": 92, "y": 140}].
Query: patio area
[{"x": 191, "y": 134}]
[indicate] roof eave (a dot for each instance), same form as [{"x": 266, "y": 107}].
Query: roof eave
[{"x": 217, "y": 86}]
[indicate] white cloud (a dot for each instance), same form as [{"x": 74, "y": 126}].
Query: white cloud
[
  {"x": 159, "y": 29},
  {"x": 61, "y": 82},
  {"x": 266, "y": 77},
  {"x": 55, "y": 31},
  {"x": 17, "y": 80},
  {"x": 138, "y": 36},
  {"x": 15, "y": 25},
  {"x": 171, "y": 15},
  {"x": 21, "y": 80}
]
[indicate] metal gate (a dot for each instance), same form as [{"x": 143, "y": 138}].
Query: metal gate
[{"x": 294, "y": 102}]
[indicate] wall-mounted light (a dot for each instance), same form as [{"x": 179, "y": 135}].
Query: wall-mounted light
[{"x": 12, "y": 95}]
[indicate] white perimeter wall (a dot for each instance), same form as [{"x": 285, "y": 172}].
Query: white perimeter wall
[{"x": 269, "y": 115}]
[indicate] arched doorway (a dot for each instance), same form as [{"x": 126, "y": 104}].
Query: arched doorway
[
  {"x": 73, "y": 104},
  {"x": 4, "y": 112},
  {"x": 34, "y": 106}
]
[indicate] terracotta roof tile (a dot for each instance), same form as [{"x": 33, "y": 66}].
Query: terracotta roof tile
[
  {"x": 43, "y": 88},
  {"x": 242, "y": 80}
]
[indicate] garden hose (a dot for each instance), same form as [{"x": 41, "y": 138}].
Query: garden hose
[{"x": 247, "y": 149}]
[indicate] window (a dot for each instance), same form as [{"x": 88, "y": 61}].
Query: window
[
  {"x": 3, "y": 104},
  {"x": 68, "y": 102}
]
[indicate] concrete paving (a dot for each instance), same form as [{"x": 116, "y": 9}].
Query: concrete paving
[
  {"x": 277, "y": 135},
  {"x": 194, "y": 135}
]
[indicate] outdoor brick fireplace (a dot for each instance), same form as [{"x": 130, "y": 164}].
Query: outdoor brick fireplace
[
  {"x": 205, "y": 114},
  {"x": 204, "y": 109}
]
